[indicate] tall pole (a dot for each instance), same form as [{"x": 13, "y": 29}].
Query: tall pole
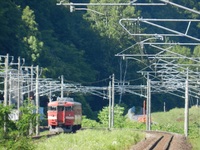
[
  {"x": 144, "y": 108},
  {"x": 62, "y": 86},
  {"x": 148, "y": 113},
  {"x": 186, "y": 122},
  {"x": 50, "y": 93},
  {"x": 10, "y": 90},
  {"x": 32, "y": 100},
  {"x": 109, "y": 98},
  {"x": 37, "y": 102},
  {"x": 18, "y": 87},
  {"x": 164, "y": 109},
  {"x": 32, "y": 93},
  {"x": 31, "y": 78},
  {"x": 6, "y": 88},
  {"x": 6, "y": 81},
  {"x": 113, "y": 99},
  {"x": 149, "y": 104}
]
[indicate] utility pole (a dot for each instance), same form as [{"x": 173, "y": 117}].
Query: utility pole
[
  {"x": 186, "y": 122},
  {"x": 109, "y": 98},
  {"x": 144, "y": 108},
  {"x": 148, "y": 114},
  {"x": 113, "y": 99},
  {"x": 10, "y": 90},
  {"x": 164, "y": 107},
  {"x": 6, "y": 81},
  {"x": 62, "y": 86},
  {"x": 50, "y": 93},
  {"x": 31, "y": 78},
  {"x": 32, "y": 100},
  {"x": 37, "y": 102},
  {"x": 18, "y": 87},
  {"x": 6, "y": 88}
]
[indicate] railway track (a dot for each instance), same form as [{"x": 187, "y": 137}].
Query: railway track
[
  {"x": 46, "y": 135},
  {"x": 161, "y": 141},
  {"x": 154, "y": 141},
  {"x": 44, "y": 132}
]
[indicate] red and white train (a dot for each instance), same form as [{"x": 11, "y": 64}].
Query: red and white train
[{"x": 64, "y": 115}]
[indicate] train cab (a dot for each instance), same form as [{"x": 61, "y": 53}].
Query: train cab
[{"x": 64, "y": 115}]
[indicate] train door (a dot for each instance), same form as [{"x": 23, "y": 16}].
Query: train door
[
  {"x": 69, "y": 115},
  {"x": 61, "y": 115}
]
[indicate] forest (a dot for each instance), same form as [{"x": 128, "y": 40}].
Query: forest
[{"x": 82, "y": 45}]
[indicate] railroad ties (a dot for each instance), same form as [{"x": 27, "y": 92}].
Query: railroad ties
[{"x": 162, "y": 141}]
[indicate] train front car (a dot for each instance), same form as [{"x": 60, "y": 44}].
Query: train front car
[{"x": 64, "y": 115}]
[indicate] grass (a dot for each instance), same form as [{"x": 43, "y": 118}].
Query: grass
[
  {"x": 195, "y": 143},
  {"x": 173, "y": 121},
  {"x": 123, "y": 139},
  {"x": 92, "y": 140}
]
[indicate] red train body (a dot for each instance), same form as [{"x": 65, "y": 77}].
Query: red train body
[{"x": 64, "y": 115}]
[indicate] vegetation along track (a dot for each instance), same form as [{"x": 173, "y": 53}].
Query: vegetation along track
[
  {"x": 162, "y": 141},
  {"x": 45, "y": 135},
  {"x": 154, "y": 140}
]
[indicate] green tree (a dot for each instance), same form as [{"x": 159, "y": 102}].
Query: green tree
[
  {"x": 10, "y": 28},
  {"x": 16, "y": 135},
  {"x": 26, "y": 117},
  {"x": 34, "y": 45},
  {"x": 5, "y": 121},
  {"x": 196, "y": 52},
  {"x": 89, "y": 123},
  {"x": 119, "y": 119},
  {"x": 106, "y": 21},
  {"x": 184, "y": 52}
]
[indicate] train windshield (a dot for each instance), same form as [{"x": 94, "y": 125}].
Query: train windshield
[
  {"x": 60, "y": 108},
  {"x": 68, "y": 108},
  {"x": 53, "y": 108}
]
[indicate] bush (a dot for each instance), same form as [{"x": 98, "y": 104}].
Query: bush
[
  {"x": 119, "y": 119},
  {"x": 89, "y": 123},
  {"x": 16, "y": 135}
]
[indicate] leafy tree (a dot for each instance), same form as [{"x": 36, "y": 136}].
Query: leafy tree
[
  {"x": 113, "y": 38},
  {"x": 86, "y": 108},
  {"x": 5, "y": 121},
  {"x": 16, "y": 135},
  {"x": 82, "y": 45},
  {"x": 119, "y": 119},
  {"x": 89, "y": 123},
  {"x": 34, "y": 45},
  {"x": 107, "y": 18},
  {"x": 185, "y": 51},
  {"x": 196, "y": 52},
  {"x": 10, "y": 28},
  {"x": 27, "y": 116}
]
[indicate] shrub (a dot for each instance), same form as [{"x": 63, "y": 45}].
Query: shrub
[
  {"x": 89, "y": 123},
  {"x": 16, "y": 135},
  {"x": 119, "y": 119}
]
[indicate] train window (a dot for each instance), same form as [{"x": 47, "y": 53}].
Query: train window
[
  {"x": 60, "y": 108},
  {"x": 52, "y": 108},
  {"x": 68, "y": 108}
]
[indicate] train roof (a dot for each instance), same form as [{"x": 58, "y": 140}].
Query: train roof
[
  {"x": 64, "y": 101},
  {"x": 68, "y": 99}
]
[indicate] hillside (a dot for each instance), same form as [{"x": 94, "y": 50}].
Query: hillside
[
  {"x": 82, "y": 45},
  {"x": 173, "y": 121}
]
